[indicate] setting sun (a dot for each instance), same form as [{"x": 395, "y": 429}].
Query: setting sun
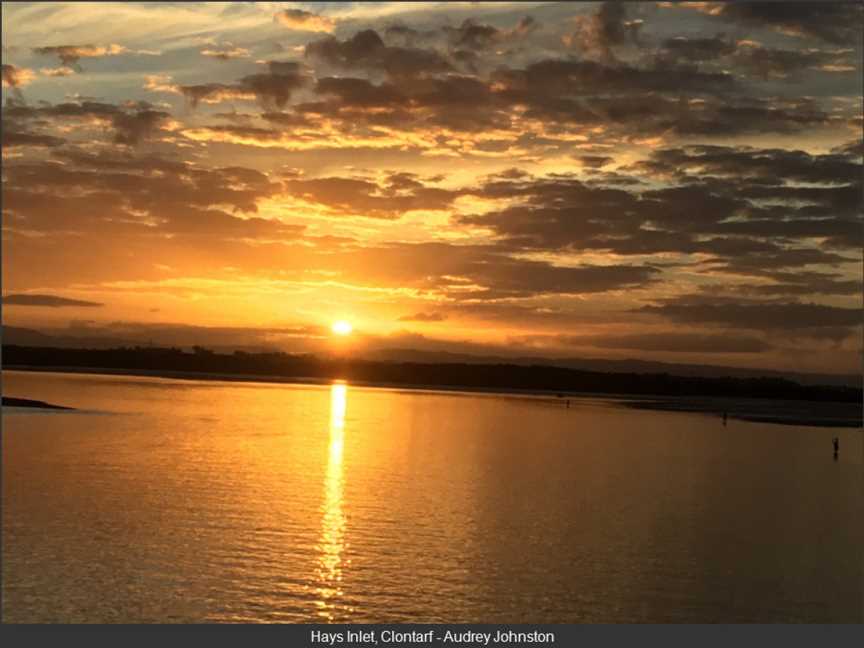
[{"x": 342, "y": 327}]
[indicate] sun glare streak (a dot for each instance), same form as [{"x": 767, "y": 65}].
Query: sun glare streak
[{"x": 332, "y": 542}]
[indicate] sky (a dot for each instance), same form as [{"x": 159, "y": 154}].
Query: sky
[{"x": 666, "y": 181}]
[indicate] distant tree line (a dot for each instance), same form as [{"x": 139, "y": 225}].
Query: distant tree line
[{"x": 453, "y": 375}]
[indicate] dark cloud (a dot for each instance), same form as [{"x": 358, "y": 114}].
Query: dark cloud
[
  {"x": 816, "y": 319},
  {"x": 696, "y": 49},
  {"x": 673, "y": 342},
  {"x": 555, "y": 212},
  {"x": 415, "y": 88},
  {"x": 366, "y": 51},
  {"x": 741, "y": 116},
  {"x": 773, "y": 165},
  {"x": 131, "y": 128},
  {"x": 49, "y": 301},
  {"x": 273, "y": 88},
  {"x": 390, "y": 198},
  {"x": 658, "y": 99},
  {"x": 424, "y": 317},
  {"x": 480, "y": 273},
  {"x": 834, "y": 22},
  {"x": 453, "y": 101},
  {"x": 768, "y": 63},
  {"x": 405, "y": 35},
  {"x": 132, "y": 123},
  {"x": 146, "y": 196},
  {"x": 779, "y": 194},
  {"x": 800, "y": 284},
  {"x": 361, "y": 92},
  {"x": 854, "y": 148},
  {"x": 714, "y": 217},
  {"x": 595, "y": 161},
  {"x": 559, "y": 77},
  {"x": 602, "y": 31},
  {"x": 474, "y": 35},
  {"x": 752, "y": 59},
  {"x": 69, "y": 55},
  {"x": 277, "y": 85},
  {"x": 187, "y": 336},
  {"x": 11, "y": 139},
  {"x": 213, "y": 93},
  {"x": 837, "y": 232},
  {"x": 562, "y": 212}
]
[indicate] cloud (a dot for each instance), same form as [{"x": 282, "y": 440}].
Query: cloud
[
  {"x": 272, "y": 88},
  {"x": 481, "y": 273},
  {"x": 411, "y": 107},
  {"x": 595, "y": 161},
  {"x": 392, "y": 198},
  {"x": 131, "y": 128},
  {"x": 800, "y": 283},
  {"x": 225, "y": 52},
  {"x": 713, "y": 208},
  {"x": 685, "y": 48},
  {"x": 743, "y": 163},
  {"x": 815, "y": 319},
  {"x": 69, "y": 55},
  {"x": 132, "y": 123},
  {"x": 839, "y": 23},
  {"x": 171, "y": 334},
  {"x": 365, "y": 50},
  {"x": 474, "y": 35},
  {"x": 557, "y": 77},
  {"x": 14, "y": 138},
  {"x": 57, "y": 72},
  {"x": 160, "y": 83},
  {"x": 424, "y": 317},
  {"x": 749, "y": 58},
  {"x": 213, "y": 93},
  {"x": 599, "y": 33},
  {"x": 49, "y": 301},
  {"x": 15, "y": 77},
  {"x": 300, "y": 20},
  {"x": 773, "y": 63},
  {"x": 673, "y": 342},
  {"x": 147, "y": 196}
]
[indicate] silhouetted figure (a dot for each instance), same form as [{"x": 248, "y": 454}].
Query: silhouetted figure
[
  {"x": 568, "y": 403},
  {"x": 836, "y": 442},
  {"x": 724, "y": 419}
]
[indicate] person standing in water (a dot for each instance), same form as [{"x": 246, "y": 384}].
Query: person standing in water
[{"x": 836, "y": 442}]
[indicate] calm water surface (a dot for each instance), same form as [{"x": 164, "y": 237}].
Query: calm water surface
[{"x": 186, "y": 501}]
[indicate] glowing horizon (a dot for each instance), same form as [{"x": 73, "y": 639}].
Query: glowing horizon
[{"x": 671, "y": 182}]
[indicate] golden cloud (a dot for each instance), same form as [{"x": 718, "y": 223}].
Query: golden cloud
[{"x": 300, "y": 20}]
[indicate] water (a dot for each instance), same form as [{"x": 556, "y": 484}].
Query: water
[{"x": 184, "y": 501}]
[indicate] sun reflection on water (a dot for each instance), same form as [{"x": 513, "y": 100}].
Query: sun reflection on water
[{"x": 332, "y": 542}]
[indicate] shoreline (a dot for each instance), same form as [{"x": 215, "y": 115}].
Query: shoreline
[
  {"x": 311, "y": 380},
  {"x": 753, "y": 415},
  {"x": 714, "y": 406}
]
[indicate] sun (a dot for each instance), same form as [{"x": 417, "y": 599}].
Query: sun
[{"x": 341, "y": 327}]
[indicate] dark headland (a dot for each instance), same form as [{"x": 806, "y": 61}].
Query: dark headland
[{"x": 26, "y": 402}]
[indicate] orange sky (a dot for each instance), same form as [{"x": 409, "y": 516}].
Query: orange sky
[{"x": 677, "y": 182}]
